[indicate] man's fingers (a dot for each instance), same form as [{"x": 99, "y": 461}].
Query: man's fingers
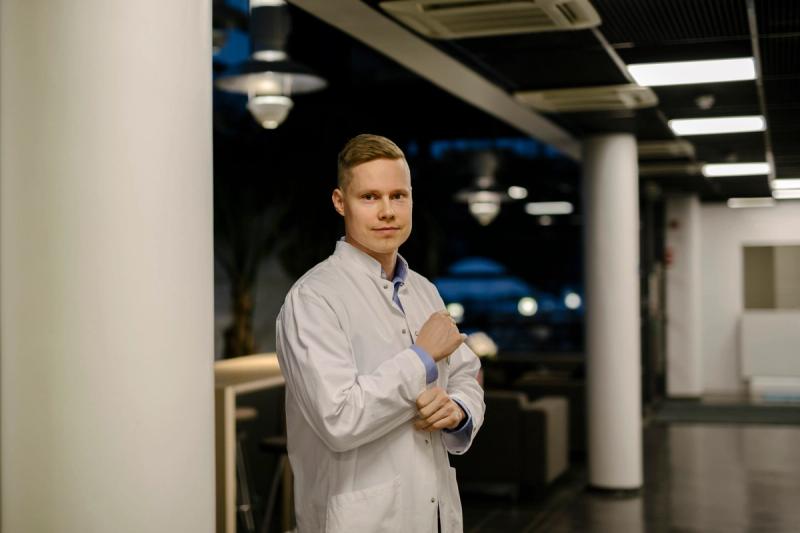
[
  {"x": 422, "y": 425},
  {"x": 426, "y": 397},
  {"x": 438, "y": 402},
  {"x": 442, "y": 413},
  {"x": 447, "y": 417},
  {"x": 445, "y": 423}
]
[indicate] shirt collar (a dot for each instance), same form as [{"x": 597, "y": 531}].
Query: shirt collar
[
  {"x": 400, "y": 271},
  {"x": 350, "y": 253}
]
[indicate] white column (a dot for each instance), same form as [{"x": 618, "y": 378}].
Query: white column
[
  {"x": 683, "y": 288},
  {"x": 611, "y": 206},
  {"x": 106, "y": 266}
]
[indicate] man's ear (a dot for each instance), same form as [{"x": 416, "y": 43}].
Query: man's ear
[{"x": 338, "y": 201}]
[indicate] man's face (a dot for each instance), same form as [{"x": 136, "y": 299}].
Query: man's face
[{"x": 376, "y": 205}]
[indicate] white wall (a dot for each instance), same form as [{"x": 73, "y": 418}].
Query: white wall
[{"x": 724, "y": 232}]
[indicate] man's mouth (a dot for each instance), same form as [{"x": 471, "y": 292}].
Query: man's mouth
[{"x": 387, "y": 229}]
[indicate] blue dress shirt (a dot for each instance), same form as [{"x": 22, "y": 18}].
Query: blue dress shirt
[{"x": 431, "y": 372}]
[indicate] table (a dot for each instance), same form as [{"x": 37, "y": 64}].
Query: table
[{"x": 231, "y": 378}]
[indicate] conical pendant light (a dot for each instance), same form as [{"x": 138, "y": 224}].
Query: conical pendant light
[{"x": 270, "y": 77}]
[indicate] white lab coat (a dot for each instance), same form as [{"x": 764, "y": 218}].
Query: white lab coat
[{"x": 351, "y": 386}]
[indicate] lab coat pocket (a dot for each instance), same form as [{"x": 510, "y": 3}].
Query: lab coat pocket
[
  {"x": 376, "y": 509},
  {"x": 453, "y": 522}
]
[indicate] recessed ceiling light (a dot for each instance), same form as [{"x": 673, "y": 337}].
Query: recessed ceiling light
[
  {"x": 688, "y": 72},
  {"x": 786, "y": 183},
  {"x": 517, "y": 193},
  {"x": 709, "y": 126},
  {"x": 751, "y": 202},
  {"x": 787, "y": 194},
  {"x": 548, "y": 208},
  {"x": 717, "y": 170}
]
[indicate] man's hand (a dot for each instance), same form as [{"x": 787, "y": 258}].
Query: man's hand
[
  {"x": 439, "y": 336},
  {"x": 437, "y": 411}
]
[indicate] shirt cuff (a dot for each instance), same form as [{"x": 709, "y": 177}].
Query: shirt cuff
[
  {"x": 463, "y": 430},
  {"x": 431, "y": 372}
]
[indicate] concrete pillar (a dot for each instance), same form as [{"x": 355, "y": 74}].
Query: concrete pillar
[
  {"x": 683, "y": 288},
  {"x": 106, "y": 266},
  {"x": 611, "y": 206}
]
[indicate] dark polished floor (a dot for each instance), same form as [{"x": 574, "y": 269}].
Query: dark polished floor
[{"x": 699, "y": 478}]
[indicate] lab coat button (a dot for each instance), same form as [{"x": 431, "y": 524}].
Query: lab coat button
[
  {"x": 426, "y": 441},
  {"x": 433, "y": 500},
  {"x": 404, "y": 332},
  {"x": 385, "y": 285}
]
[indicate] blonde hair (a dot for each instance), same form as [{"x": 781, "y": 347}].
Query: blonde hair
[{"x": 363, "y": 149}]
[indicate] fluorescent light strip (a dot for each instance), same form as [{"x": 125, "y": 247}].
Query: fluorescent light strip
[
  {"x": 787, "y": 194},
  {"x": 688, "y": 72},
  {"x": 548, "y": 208},
  {"x": 710, "y": 126},
  {"x": 751, "y": 202},
  {"x": 780, "y": 184},
  {"x": 718, "y": 170}
]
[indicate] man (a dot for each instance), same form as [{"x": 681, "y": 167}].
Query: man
[{"x": 379, "y": 385}]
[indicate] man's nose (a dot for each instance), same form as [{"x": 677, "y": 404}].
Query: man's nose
[{"x": 386, "y": 211}]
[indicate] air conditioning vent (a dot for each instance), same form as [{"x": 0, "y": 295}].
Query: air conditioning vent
[
  {"x": 568, "y": 14},
  {"x": 456, "y": 19},
  {"x": 605, "y": 98}
]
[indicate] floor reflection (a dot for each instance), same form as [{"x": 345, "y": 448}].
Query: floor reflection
[
  {"x": 595, "y": 512},
  {"x": 699, "y": 478}
]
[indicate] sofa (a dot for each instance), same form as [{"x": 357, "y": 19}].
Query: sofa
[{"x": 522, "y": 445}]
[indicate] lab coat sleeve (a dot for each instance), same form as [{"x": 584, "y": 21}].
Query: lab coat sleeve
[
  {"x": 462, "y": 385},
  {"x": 346, "y": 409}
]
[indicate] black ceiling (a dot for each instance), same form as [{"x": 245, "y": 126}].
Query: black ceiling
[
  {"x": 632, "y": 31},
  {"x": 666, "y": 30},
  {"x": 294, "y": 166}
]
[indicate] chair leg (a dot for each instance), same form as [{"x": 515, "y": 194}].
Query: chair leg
[
  {"x": 244, "y": 505},
  {"x": 288, "y": 498},
  {"x": 273, "y": 493}
]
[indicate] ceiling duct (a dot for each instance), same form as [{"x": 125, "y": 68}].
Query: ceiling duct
[
  {"x": 605, "y": 98},
  {"x": 670, "y": 169},
  {"x": 456, "y": 19},
  {"x": 665, "y": 149}
]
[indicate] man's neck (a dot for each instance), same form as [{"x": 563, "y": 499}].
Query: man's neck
[
  {"x": 389, "y": 265},
  {"x": 388, "y": 261}
]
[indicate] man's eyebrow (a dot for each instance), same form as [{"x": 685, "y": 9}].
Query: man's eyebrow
[{"x": 379, "y": 192}]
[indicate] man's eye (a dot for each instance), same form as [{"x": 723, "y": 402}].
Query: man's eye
[
  {"x": 399, "y": 196},
  {"x": 368, "y": 197}
]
